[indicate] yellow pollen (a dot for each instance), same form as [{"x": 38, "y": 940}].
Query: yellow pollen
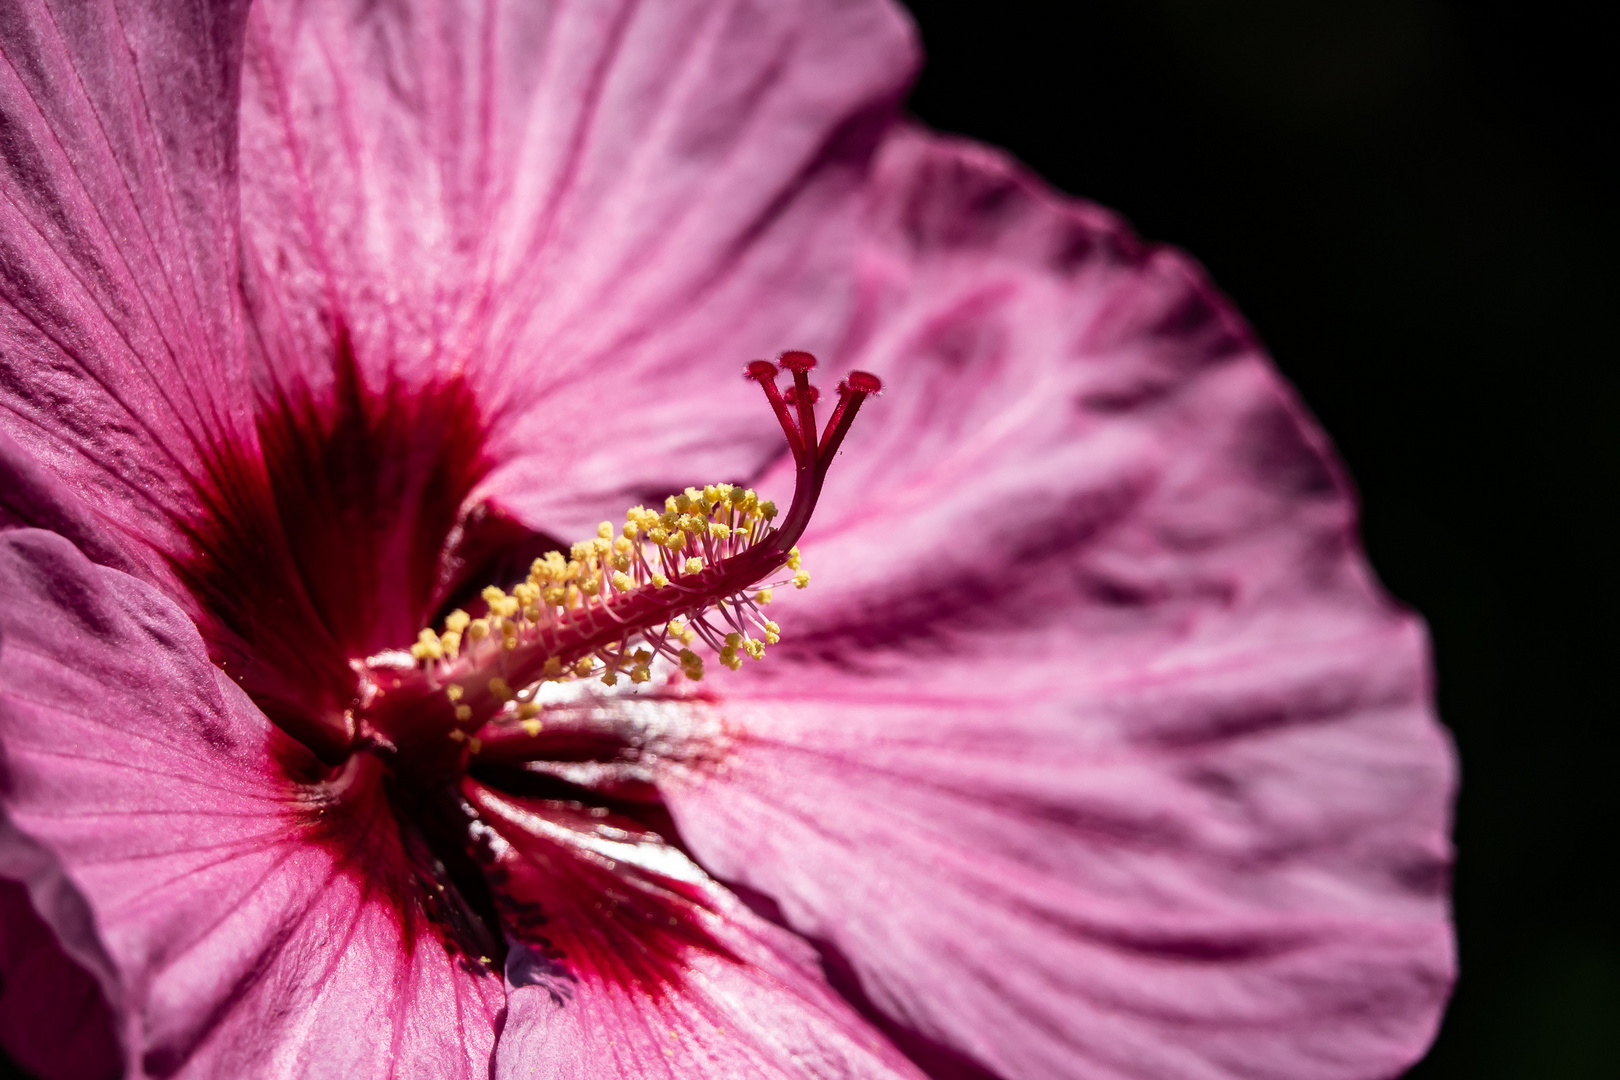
[
  {"x": 801, "y": 579},
  {"x": 793, "y": 558},
  {"x": 457, "y": 735},
  {"x": 659, "y": 580},
  {"x": 693, "y": 565},
  {"x": 527, "y": 710},
  {"x": 499, "y": 603},
  {"x": 553, "y": 667},
  {"x": 475, "y": 744},
  {"x": 453, "y": 692},
  {"x": 427, "y": 646},
  {"x": 456, "y": 621},
  {"x": 463, "y": 712},
  {"x": 763, "y": 597},
  {"x": 477, "y": 630},
  {"x": 498, "y": 687},
  {"x": 532, "y": 727},
  {"x": 582, "y": 667}
]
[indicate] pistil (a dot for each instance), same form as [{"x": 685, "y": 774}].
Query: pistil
[{"x": 700, "y": 571}]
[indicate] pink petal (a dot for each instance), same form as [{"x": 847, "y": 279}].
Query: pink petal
[
  {"x": 629, "y": 961},
  {"x": 242, "y": 923},
  {"x": 53, "y": 1020},
  {"x": 594, "y": 213},
  {"x": 120, "y": 337},
  {"x": 1093, "y": 748},
  {"x": 31, "y": 497}
]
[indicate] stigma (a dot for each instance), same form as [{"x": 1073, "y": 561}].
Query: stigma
[{"x": 673, "y": 583}]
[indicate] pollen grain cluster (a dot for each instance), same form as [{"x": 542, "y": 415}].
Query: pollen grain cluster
[{"x": 673, "y": 557}]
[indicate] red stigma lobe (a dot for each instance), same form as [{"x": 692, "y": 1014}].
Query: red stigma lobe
[{"x": 797, "y": 362}]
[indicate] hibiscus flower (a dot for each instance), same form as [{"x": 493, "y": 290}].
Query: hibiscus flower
[{"x": 1093, "y": 749}]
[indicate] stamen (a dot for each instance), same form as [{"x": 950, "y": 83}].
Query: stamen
[{"x": 633, "y": 593}]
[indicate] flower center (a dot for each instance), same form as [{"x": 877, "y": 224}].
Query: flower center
[{"x": 696, "y": 574}]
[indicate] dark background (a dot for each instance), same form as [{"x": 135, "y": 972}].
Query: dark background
[{"x": 1411, "y": 201}]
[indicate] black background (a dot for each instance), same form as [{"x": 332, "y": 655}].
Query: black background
[{"x": 1412, "y": 202}]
